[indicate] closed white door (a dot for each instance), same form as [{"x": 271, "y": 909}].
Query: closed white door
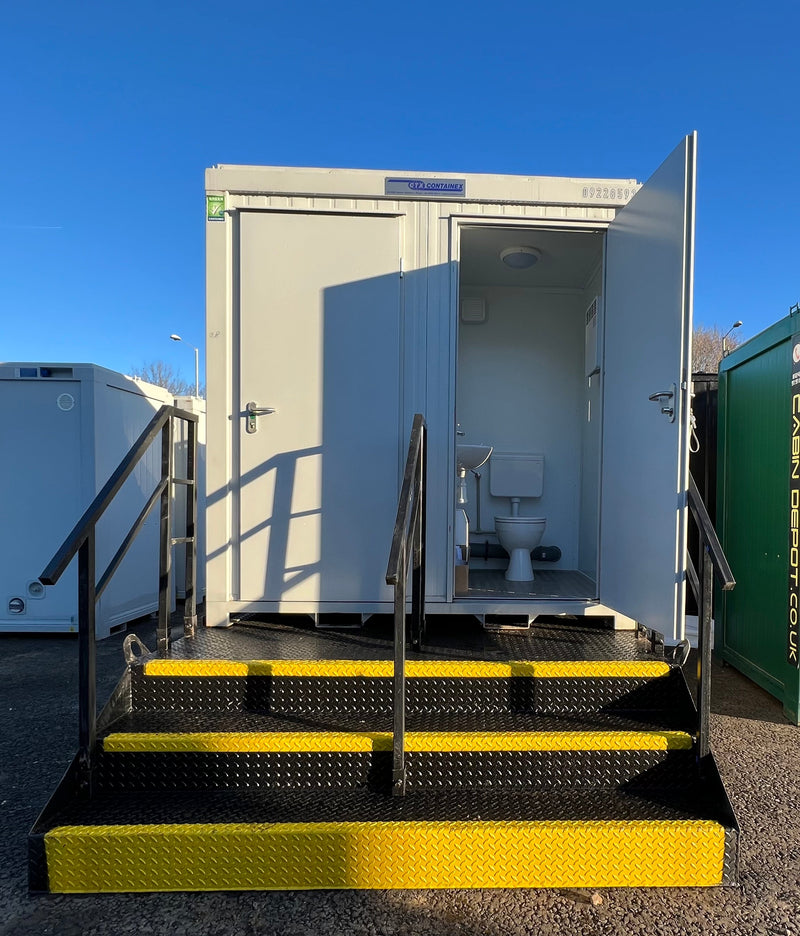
[
  {"x": 319, "y": 342},
  {"x": 648, "y": 310}
]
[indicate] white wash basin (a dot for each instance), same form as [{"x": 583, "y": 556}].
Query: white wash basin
[{"x": 472, "y": 456}]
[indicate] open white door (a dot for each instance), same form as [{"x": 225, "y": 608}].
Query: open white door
[{"x": 648, "y": 323}]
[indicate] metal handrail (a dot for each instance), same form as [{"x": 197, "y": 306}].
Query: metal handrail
[
  {"x": 709, "y": 535},
  {"x": 82, "y": 540},
  {"x": 409, "y": 530},
  {"x": 712, "y": 562}
]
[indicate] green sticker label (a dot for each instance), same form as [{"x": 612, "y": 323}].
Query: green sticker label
[{"x": 215, "y": 207}]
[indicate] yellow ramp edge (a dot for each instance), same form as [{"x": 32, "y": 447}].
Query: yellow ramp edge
[
  {"x": 434, "y": 669},
  {"x": 352, "y": 742},
  {"x": 391, "y": 855}
]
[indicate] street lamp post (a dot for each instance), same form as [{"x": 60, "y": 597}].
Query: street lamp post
[
  {"x": 725, "y": 351},
  {"x": 197, "y": 363}
]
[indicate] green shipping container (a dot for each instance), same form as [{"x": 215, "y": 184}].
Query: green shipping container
[{"x": 758, "y": 509}]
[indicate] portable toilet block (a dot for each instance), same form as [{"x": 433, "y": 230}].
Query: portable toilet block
[
  {"x": 65, "y": 428},
  {"x": 758, "y": 510},
  {"x": 532, "y": 314}
]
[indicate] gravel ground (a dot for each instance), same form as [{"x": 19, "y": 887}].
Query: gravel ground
[{"x": 757, "y": 751}]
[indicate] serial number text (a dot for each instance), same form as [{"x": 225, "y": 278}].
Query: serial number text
[{"x": 608, "y": 192}]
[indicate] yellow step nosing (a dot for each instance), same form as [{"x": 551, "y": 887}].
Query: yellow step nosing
[
  {"x": 385, "y": 855},
  {"x": 363, "y": 741},
  {"x": 441, "y": 669}
]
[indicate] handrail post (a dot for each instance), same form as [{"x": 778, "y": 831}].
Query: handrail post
[
  {"x": 190, "y": 602},
  {"x": 399, "y": 715},
  {"x": 81, "y": 542},
  {"x": 417, "y": 573},
  {"x": 417, "y": 600},
  {"x": 704, "y": 655},
  {"x": 165, "y": 541},
  {"x": 712, "y": 561},
  {"x": 87, "y": 661},
  {"x": 423, "y": 520},
  {"x": 408, "y": 542}
]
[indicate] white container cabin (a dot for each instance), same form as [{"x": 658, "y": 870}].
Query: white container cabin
[
  {"x": 346, "y": 301},
  {"x": 65, "y": 428}
]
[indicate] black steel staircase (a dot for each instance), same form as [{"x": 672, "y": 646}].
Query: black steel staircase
[{"x": 270, "y": 756}]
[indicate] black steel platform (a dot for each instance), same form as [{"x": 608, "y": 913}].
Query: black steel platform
[{"x": 451, "y": 637}]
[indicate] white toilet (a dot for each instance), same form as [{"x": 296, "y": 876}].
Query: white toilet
[{"x": 516, "y": 475}]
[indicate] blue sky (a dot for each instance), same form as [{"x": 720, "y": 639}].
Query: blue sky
[{"x": 112, "y": 112}]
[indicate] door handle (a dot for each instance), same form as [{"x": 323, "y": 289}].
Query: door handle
[
  {"x": 666, "y": 399},
  {"x": 252, "y": 412}
]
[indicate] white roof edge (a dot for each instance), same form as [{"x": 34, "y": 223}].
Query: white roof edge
[
  {"x": 82, "y": 370},
  {"x": 415, "y": 173},
  {"x": 370, "y": 183}
]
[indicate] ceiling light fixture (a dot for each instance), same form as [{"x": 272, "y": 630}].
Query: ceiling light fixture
[{"x": 520, "y": 258}]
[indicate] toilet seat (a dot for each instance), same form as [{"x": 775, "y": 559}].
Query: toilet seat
[{"x": 520, "y": 519}]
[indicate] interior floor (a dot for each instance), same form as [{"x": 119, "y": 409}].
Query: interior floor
[{"x": 548, "y": 583}]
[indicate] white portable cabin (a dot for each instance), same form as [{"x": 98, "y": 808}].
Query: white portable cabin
[
  {"x": 341, "y": 302},
  {"x": 65, "y": 428}
]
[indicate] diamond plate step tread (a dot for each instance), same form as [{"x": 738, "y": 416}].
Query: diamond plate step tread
[
  {"x": 385, "y": 854},
  {"x": 414, "y": 669},
  {"x": 178, "y": 722},
  {"x": 213, "y": 840},
  {"x": 417, "y": 741},
  {"x": 518, "y": 693},
  {"x": 539, "y": 770},
  {"x": 693, "y": 801},
  {"x": 460, "y": 638},
  {"x": 305, "y": 694}
]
